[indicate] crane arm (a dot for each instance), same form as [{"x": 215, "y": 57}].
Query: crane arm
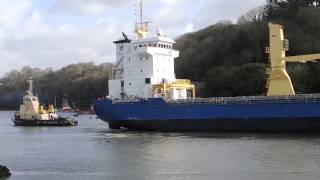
[{"x": 303, "y": 58}]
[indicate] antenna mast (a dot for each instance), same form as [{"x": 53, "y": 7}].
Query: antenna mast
[
  {"x": 141, "y": 14},
  {"x": 30, "y": 86},
  {"x": 141, "y": 29}
]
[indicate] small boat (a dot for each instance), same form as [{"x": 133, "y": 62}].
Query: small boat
[
  {"x": 32, "y": 113},
  {"x": 83, "y": 109},
  {"x": 66, "y": 107}
]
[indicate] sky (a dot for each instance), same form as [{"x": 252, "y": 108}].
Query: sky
[{"x": 55, "y": 33}]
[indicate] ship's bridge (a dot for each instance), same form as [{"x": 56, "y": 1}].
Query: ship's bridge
[
  {"x": 155, "y": 46},
  {"x": 145, "y": 67}
]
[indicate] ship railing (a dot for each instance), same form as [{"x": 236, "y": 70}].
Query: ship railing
[
  {"x": 130, "y": 100},
  {"x": 250, "y": 99},
  {"x": 182, "y": 81}
]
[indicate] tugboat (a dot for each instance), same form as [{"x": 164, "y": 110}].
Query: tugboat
[{"x": 32, "y": 113}]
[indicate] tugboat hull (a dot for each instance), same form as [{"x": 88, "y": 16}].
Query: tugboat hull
[{"x": 55, "y": 122}]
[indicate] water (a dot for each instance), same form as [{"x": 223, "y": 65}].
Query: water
[{"x": 91, "y": 151}]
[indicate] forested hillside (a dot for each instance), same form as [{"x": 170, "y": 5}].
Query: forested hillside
[
  {"x": 228, "y": 59},
  {"x": 78, "y": 83}
]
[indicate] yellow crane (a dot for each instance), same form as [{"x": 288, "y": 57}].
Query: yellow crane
[{"x": 279, "y": 82}]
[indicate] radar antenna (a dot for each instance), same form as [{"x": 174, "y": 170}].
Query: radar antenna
[{"x": 125, "y": 36}]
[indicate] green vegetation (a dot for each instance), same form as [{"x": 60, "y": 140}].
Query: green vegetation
[
  {"x": 228, "y": 59},
  {"x": 78, "y": 83}
]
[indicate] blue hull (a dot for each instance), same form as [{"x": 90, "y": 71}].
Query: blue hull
[{"x": 158, "y": 115}]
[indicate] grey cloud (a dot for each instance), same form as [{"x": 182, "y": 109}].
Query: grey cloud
[
  {"x": 58, "y": 48},
  {"x": 85, "y": 7},
  {"x": 217, "y": 10}
]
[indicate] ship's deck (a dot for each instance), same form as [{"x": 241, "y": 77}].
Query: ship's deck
[
  {"x": 235, "y": 100},
  {"x": 251, "y": 99}
]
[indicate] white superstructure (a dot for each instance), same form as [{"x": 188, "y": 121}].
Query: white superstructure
[
  {"x": 145, "y": 68},
  {"x": 31, "y": 109}
]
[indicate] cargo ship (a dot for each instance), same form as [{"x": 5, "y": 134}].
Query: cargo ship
[{"x": 144, "y": 93}]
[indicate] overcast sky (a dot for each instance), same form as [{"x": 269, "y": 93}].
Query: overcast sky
[{"x": 55, "y": 33}]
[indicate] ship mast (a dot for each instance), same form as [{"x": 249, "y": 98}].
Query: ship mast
[
  {"x": 29, "y": 91},
  {"x": 142, "y": 27}
]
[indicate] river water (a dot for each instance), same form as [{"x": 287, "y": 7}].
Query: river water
[{"x": 91, "y": 151}]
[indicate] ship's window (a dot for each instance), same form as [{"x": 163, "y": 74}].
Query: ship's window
[
  {"x": 129, "y": 84},
  {"x": 140, "y": 45},
  {"x": 34, "y": 99},
  {"x": 141, "y": 70},
  {"x": 122, "y": 83},
  {"x": 145, "y": 45},
  {"x": 148, "y": 81},
  {"x": 140, "y": 58},
  {"x": 146, "y": 57},
  {"x": 129, "y": 59}
]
